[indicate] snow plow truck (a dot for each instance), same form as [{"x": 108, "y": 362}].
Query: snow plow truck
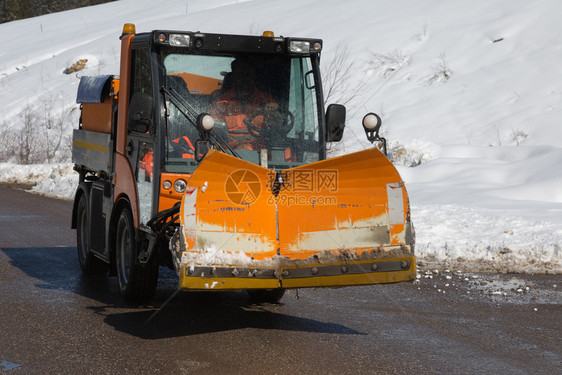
[{"x": 177, "y": 167}]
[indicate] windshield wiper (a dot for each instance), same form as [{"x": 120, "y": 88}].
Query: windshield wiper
[{"x": 190, "y": 113}]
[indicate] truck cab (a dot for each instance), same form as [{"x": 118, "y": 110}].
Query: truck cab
[{"x": 175, "y": 77}]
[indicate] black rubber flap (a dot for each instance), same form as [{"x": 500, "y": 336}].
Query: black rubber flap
[{"x": 93, "y": 89}]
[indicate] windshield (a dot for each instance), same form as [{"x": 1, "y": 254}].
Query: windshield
[{"x": 264, "y": 107}]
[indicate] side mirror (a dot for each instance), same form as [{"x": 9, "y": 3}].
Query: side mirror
[
  {"x": 335, "y": 122},
  {"x": 140, "y": 113}
]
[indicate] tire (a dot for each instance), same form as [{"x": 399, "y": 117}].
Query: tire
[
  {"x": 266, "y": 295},
  {"x": 137, "y": 282},
  {"x": 89, "y": 263}
]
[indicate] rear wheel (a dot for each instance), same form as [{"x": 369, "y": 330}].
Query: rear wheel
[
  {"x": 137, "y": 282},
  {"x": 89, "y": 263},
  {"x": 266, "y": 295}
]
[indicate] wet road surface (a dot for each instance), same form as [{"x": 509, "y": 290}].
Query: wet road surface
[{"x": 53, "y": 320}]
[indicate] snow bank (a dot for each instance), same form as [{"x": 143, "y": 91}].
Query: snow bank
[
  {"x": 62, "y": 186},
  {"x": 54, "y": 180},
  {"x": 475, "y": 239}
]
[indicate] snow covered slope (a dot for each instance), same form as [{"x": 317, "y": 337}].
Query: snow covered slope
[{"x": 469, "y": 93}]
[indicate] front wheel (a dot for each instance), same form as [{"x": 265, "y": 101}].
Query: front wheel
[
  {"x": 137, "y": 282},
  {"x": 89, "y": 263}
]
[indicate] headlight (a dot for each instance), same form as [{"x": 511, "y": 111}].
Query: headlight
[
  {"x": 206, "y": 121},
  {"x": 180, "y": 185},
  {"x": 372, "y": 121},
  {"x": 167, "y": 185},
  {"x": 179, "y": 40},
  {"x": 161, "y": 38},
  {"x": 299, "y": 46}
]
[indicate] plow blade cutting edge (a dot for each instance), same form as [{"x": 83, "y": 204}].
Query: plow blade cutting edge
[{"x": 338, "y": 222}]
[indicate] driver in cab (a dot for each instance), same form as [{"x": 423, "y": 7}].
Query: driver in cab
[{"x": 242, "y": 102}]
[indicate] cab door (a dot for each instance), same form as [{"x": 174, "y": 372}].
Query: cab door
[{"x": 141, "y": 131}]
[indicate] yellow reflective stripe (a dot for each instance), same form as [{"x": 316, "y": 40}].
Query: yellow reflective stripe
[
  {"x": 350, "y": 280},
  {"x": 227, "y": 283},
  {"x": 90, "y": 146}
]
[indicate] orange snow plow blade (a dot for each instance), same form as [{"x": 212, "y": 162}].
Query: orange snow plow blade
[{"x": 338, "y": 222}]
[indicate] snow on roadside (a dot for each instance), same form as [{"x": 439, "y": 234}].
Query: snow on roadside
[
  {"x": 61, "y": 186},
  {"x": 54, "y": 180},
  {"x": 486, "y": 240}
]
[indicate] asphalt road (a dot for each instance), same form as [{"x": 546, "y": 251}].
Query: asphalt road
[{"x": 53, "y": 320}]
